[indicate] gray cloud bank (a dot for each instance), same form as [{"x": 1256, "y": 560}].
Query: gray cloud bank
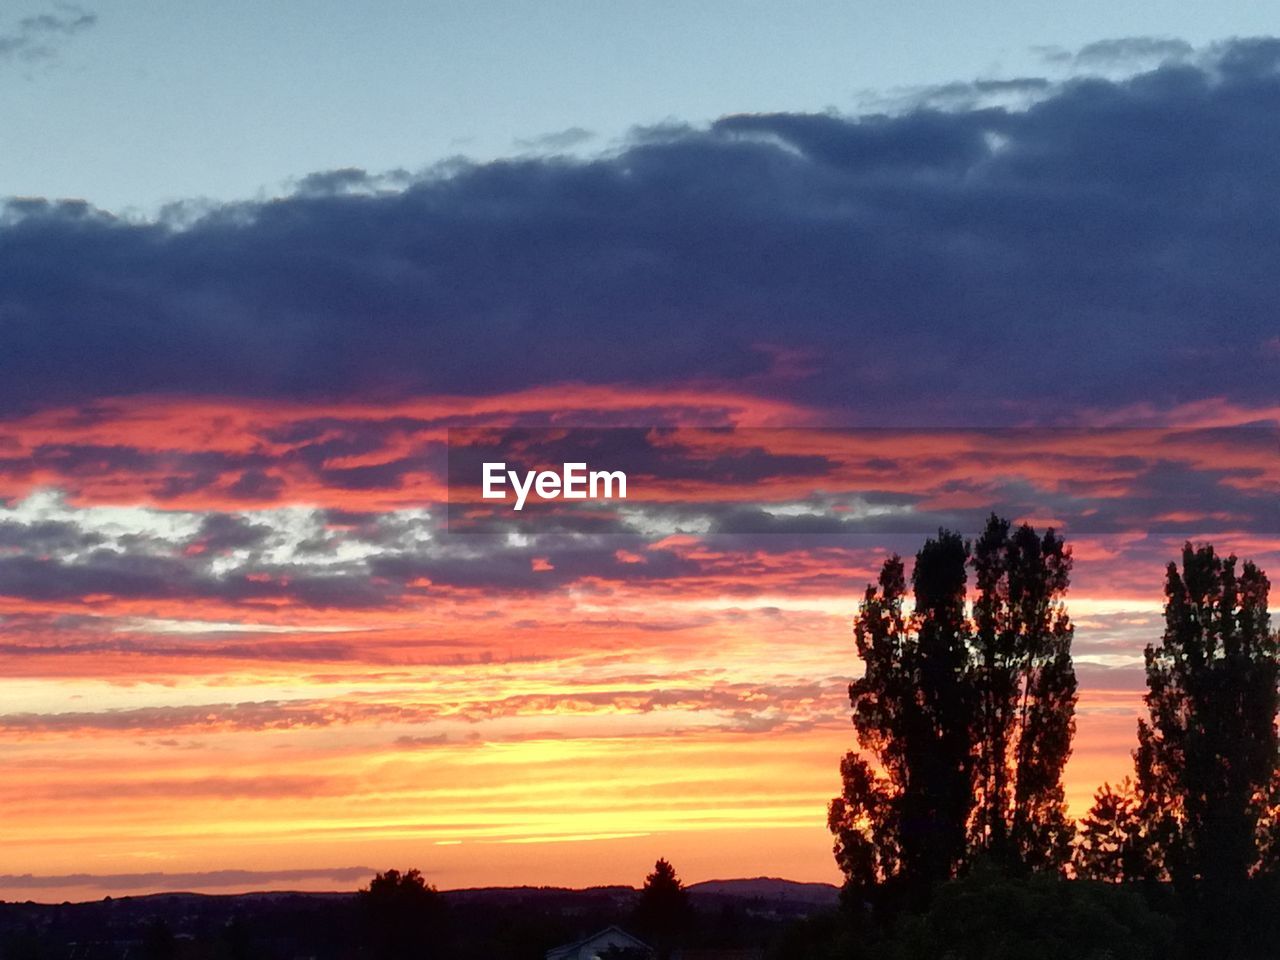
[
  {"x": 1115, "y": 242},
  {"x": 181, "y": 881}
]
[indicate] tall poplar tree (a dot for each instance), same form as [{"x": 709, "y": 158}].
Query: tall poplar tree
[
  {"x": 905, "y": 825},
  {"x": 1207, "y": 753},
  {"x": 966, "y": 724},
  {"x": 1025, "y": 687}
]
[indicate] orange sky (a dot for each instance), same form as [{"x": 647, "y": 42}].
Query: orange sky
[{"x": 234, "y": 636}]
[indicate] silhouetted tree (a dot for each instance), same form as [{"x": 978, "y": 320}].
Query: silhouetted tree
[
  {"x": 969, "y": 723},
  {"x": 911, "y": 710},
  {"x": 1269, "y": 831},
  {"x": 663, "y": 913},
  {"x": 990, "y": 914},
  {"x": 1025, "y": 685},
  {"x": 403, "y": 917},
  {"x": 1207, "y": 753},
  {"x": 1111, "y": 837}
]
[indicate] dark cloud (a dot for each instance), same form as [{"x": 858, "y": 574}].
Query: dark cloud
[
  {"x": 181, "y": 881},
  {"x": 37, "y": 37},
  {"x": 170, "y": 473},
  {"x": 665, "y": 454},
  {"x": 183, "y": 789},
  {"x": 349, "y": 180},
  {"x": 1121, "y": 679},
  {"x": 560, "y": 140},
  {"x": 970, "y": 95},
  {"x": 125, "y": 575},
  {"x": 499, "y": 566},
  {"x": 1125, "y": 51},
  {"x": 1163, "y": 485},
  {"x": 435, "y": 740},
  {"x": 221, "y": 532},
  {"x": 737, "y": 700},
  {"x": 256, "y": 485},
  {"x": 248, "y": 649},
  {"x": 1090, "y": 249},
  {"x": 257, "y": 715},
  {"x": 45, "y": 537}
]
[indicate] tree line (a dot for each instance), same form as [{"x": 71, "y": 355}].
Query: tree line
[{"x": 965, "y": 715}]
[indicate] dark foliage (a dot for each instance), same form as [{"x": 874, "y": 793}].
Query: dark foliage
[
  {"x": 663, "y": 915},
  {"x": 832, "y": 935},
  {"x": 907, "y": 826},
  {"x": 990, "y": 915},
  {"x": 1111, "y": 841},
  {"x": 968, "y": 722},
  {"x": 403, "y": 917},
  {"x": 1025, "y": 687},
  {"x": 1207, "y": 752}
]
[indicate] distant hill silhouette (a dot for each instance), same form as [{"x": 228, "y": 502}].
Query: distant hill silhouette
[
  {"x": 280, "y": 925},
  {"x": 771, "y": 889}
]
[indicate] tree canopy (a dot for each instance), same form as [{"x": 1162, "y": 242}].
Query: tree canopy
[
  {"x": 1207, "y": 751},
  {"x": 663, "y": 913},
  {"x": 966, "y": 722},
  {"x": 403, "y": 917}
]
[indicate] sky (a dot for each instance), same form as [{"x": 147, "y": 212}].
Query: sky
[
  {"x": 255, "y": 265},
  {"x": 133, "y": 104}
]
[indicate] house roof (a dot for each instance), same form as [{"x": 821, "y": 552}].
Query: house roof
[{"x": 567, "y": 949}]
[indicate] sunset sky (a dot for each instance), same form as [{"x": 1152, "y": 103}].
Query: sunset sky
[{"x": 241, "y": 310}]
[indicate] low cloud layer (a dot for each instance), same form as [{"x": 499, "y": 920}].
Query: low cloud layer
[{"x": 159, "y": 881}]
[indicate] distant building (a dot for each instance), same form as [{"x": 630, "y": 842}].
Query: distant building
[{"x": 608, "y": 943}]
